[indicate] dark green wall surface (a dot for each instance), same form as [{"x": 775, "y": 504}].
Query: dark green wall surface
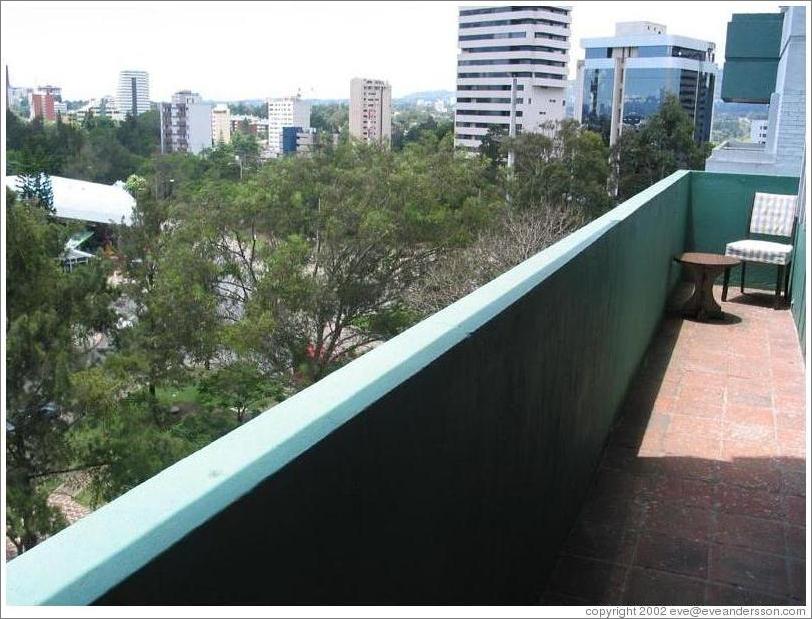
[
  {"x": 754, "y": 35},
  {"x": 462, "y": 482},
  {"x": 750, "y": 80},
  {"x": 752, "y": 51},
  {"x": 798, "y": 285},
  {"x": 720, "y": 213}
]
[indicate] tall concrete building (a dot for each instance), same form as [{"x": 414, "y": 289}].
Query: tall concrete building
[
  {"x": 132, "y": 95},
  {"x": 765, "y": 62},
  {"x": 501, "y": 46},
  {"x": 41, "y": 105},
  {"x": 285, "y": 112},
  {"x": 186, "y": 124},
  {"x": 221, "y": 124},
  {"x": 371, "y": 110},
  {"x": 625, "y": 78}
]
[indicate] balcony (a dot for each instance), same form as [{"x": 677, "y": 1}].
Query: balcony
[
  {"x": 699, "y": 497},
  {"x": 557, "y": 436},
  {"x": 735, "y": 156}
]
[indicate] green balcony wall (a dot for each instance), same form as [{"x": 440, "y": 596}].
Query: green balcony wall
[
  {"x": 446, "y": 465},
  {"x": 720, "y": 213},
  {"x": 798, "y": 285},
  {"x": 752, "y": 52}
]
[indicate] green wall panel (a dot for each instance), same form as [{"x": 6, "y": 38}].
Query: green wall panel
[
  {"x": 749, "y": 80},
  {"x": 752, "y": 51},
  {"x": 798, "y": 285},
  {"x": 720, "y": 211},
  {"x": 754, "y": 35}
]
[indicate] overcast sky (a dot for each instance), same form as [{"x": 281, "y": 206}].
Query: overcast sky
[{"x": 241, "y": 50}]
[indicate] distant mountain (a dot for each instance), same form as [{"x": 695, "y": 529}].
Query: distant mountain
[
  {"x": 327, "y": 101},
  {"x": 243, "y": 101},
  {"x": 750, "y": 110},
  {"x": 428, "y": 95}
]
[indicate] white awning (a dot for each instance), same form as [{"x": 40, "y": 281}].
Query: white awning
[{"x": 86, "y": 201}]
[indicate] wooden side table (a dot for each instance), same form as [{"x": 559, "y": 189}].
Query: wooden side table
[{"x": 704, "y": 269}]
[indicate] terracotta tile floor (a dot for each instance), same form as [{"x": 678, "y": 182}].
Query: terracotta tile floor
[{"x": 699, "y": 498}]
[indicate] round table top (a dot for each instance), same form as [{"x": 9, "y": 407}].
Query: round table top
[{"x": 709, "y": 260}]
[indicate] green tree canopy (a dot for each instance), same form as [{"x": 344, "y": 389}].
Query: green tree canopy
[
  {"x": 563, "y": 165},
  {"x": 663, "y": 144},
  {"x": 51, "y": 317}
]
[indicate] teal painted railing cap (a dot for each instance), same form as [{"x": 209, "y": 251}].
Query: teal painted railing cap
[{"x": 82, "y": 562}]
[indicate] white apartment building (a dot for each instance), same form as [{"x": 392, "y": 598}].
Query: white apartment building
[
  {"x": 221, "y": 124},
  {"x": 370, "y": 110},
  {"x": 758, "y": 131},
  {"x": 528, "y": 45},
  {"x": 133, "y": 92},
  {"x": 186, "y": 125},
  {"x": 103, "y": 107},
  {"x": 285, "y": 112}
]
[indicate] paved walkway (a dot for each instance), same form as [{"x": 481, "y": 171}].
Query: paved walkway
[
  {"x": 700, "y": 495},
  {"x": 70, "y": 508}
]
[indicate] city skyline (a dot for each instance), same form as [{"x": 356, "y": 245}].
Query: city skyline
[{"x": 227, "y": 64}]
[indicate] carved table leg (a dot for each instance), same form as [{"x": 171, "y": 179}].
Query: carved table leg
[{"x": 702, "y": 305}]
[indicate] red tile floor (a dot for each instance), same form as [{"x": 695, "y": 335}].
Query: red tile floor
[{"x": 700, "y": 495}]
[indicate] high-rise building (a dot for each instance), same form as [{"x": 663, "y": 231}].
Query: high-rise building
[
  {"x": 54, "y": 91},
  {"x": 765, "y": 62},
  {"x": 511, "y": 68},
  {"x": 185, "y": 124},
  {"x": 285, "y": 112},
  {"x": 370, "y": 110},
  {"x": 625, "y": 78},
  {"x": 41, "y": 105},
  {"x": 221, "y": 124},
  {"x": 133, "y": 92}
]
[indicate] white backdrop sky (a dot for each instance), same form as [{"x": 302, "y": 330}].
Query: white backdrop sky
[{"x": 244, "y": 50}]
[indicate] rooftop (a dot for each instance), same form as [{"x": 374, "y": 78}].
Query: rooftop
[{"x": 86, "y": 201}]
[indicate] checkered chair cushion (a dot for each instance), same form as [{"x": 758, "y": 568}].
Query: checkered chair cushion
[
  {"x": 760, "y": 251},
  {"x": 773, "y": 214}
]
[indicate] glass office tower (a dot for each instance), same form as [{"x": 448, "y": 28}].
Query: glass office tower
[{"x": 624, "y": 79}]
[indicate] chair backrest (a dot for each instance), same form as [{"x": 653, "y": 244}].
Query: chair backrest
[{"x": 773, "y": 214}]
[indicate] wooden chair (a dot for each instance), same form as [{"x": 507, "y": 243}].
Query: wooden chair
[{"x": 773, "y": 215}]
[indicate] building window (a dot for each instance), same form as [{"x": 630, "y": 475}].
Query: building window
[
  {"x": 598, "y": 52},
  {"x": 516, "y": 22},
  {"x": 535, "y": 61},
  {"x": 516, "y": 48}
]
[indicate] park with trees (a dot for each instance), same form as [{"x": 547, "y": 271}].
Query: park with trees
[{"x": 234, "y": 288}]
